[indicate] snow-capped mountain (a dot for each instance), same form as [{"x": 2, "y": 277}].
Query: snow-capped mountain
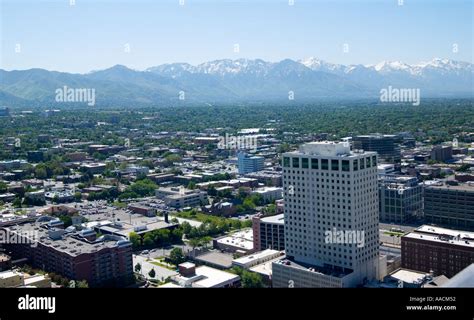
[
  {"x": 231, "y": 81},
  {"x": 323, "y": 66},
  {"x": 227, "y": 66},
  {"x": 173, "y": 69},
  {"x": 391, "y": 66}
]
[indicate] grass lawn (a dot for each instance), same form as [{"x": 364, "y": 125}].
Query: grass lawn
[
  {"x": 391, "y": 233},
  {"x": 164, "y": 265}
]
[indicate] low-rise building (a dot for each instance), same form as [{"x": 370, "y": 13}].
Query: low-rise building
[
  {"x": 59, "y": 196},
  {"x": 240, "y": 242},
  {"x": 269, "y": 194},
  {"x": 437, "y": 250},
  {"x": 267, "y": 177},
  {"x": 256, "y": 258},
  {"x": 221, "y": 208},
  {"x": 269, "y": 232},
  {"x": 93, "y": 168},
  {"x": 142, "y": 209},
  {"x": 76, "y": 255},
  {"x": 204, "y": 277},
  {"x": 450, "y": 206},
  {"x": 179, "y": 197}
]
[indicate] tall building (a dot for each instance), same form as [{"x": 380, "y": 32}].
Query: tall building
[
  {"x": 401, "y": 199},
  {"x": 331, "y": 217},
  {"x": 442, "y": 153},
  {"x": 247, "y": 164},
  {"x": 450, "y": 206},
  {"x": 386, "y": 146},
  {"x": 438, "y": 250}
]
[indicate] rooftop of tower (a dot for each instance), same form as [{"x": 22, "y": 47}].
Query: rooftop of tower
[{"x": 328, "y": 149}]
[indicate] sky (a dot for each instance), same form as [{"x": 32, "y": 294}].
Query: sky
[{"x": 92, "y": 35}]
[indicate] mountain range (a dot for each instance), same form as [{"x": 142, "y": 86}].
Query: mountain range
[{"x": 242, "y": 80}]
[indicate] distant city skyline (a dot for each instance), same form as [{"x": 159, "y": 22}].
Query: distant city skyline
[{"x": 96, "y": 35}]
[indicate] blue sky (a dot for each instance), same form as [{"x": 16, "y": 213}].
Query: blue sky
[{"x": 93, "y": 34}]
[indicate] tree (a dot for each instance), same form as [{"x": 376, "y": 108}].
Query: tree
[
  {"x": 186, "y": 227},
  {"x": 17, "y": 203},
  {"x": 212, "y": 191},
  {"x": 251, "y": 280},
  {"x": 176, "y": 235},
  {"x": 77, "y": 196},
  {"x": 248, "y": 204},
  {"x": 82, "y": 284},
  {"x": 248, "y": 279},
  {"x": 205, "y": 241},
  {"x": 148, "y": 239},
  {"x": 171, "y": 158},
  {"x": 194, "y": 243},
  {"x": 193, "y": 233},
  {"x": 177, "y": 256},
  {"x": 138, "y": 267},
  {"x": 463, "y": 168},
  {"x": 3, "y": 187},
  {"x": 66, "y": 219},
  {"x": 152, "y": 273},
  {"x": 134, "y": 239},
  {"x": 40, "y": 172}
]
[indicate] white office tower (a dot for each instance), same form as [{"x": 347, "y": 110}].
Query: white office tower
[{"x": 331, "y": 217}]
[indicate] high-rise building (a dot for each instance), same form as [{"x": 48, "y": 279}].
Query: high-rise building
[
  {"x": 331, "y": 217},
  {"x": 386, "y": 146},
  {"x": 401, "y": 199},
  {"x": 247, "y": 164},
  {"x": 451, "y": 206},
  {"x": 442, "y": 153}
]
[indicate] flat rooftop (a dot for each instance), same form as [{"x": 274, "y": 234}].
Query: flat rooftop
[
  {"x": 125, "y": 222},
  {"x": 338, "y": 273},
  {"x": 67, "y": 244},
  {"x": 460, "y": 187},
  {"x": 409, "y": 276},
  {"x": 240, "y": 239},
  {"x": 276, "y": 219},
  {"x": 328, "y": 149},
  {"x": 9, "y": 273},
  {"x": 443, "y": 235},
  {"x": 257, "y": 256},
  {"x": 216, "y": 258},
  {"x": 264, "y": 268},
  {"x": 213, "y": 277}
]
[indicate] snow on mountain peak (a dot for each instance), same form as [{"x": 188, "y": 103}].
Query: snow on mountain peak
[
  {"x": 320, "y": 65},
  {"x": 390, "y": 66}
]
